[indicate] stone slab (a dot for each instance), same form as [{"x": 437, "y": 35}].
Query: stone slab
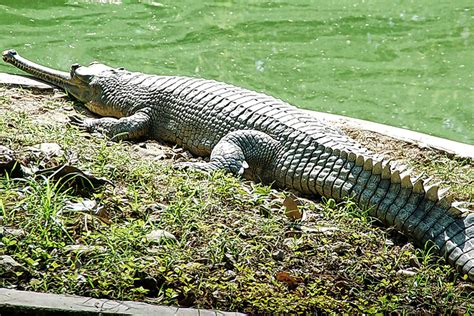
[
  {"x": 14, "y": 302},
  {"x": 25, "y": 82},
  {"x": 421, "y": 140}
]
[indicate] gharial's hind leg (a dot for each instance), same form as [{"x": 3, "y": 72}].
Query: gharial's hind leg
[{"x": 248, "y": 151}]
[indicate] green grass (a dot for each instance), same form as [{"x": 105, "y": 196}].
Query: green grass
[{"x": 228, "y": 233}]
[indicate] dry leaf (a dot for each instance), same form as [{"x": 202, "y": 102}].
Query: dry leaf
[
  {"x": 291, "y": 209},
  {"x": 287, "y": 278},
  {"x": 8, "y": 165},
  {"x": 85, "y": 205},
  {"x": 72, "y": 177}
]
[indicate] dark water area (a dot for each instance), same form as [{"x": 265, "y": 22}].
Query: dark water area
[{"x": 404, "y": 63}]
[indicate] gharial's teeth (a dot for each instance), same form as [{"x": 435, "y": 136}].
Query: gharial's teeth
[
  {"x": 463, "y": 204},
  {"x": 405, "y": 173}
]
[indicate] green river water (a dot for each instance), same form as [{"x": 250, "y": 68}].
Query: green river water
[{"x": 403, "y": 63}]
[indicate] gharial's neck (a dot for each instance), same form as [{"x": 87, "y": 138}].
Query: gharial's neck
[{"x": 119, "y": 94}]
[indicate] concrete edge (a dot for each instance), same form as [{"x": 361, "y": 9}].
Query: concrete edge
[
  {"x": 26, "y": 82},
  {"x": 15, "y": 302},
  {"x": 419, "y": 139},
  {"x": 459, "y": 149}
]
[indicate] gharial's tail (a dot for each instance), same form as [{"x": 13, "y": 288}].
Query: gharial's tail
[{"x": 417, "y": 209}]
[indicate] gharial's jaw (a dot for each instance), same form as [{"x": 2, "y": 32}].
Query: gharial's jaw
[
  {"x": 52, "y": 76},
  {"x": 77, "y": 82}
]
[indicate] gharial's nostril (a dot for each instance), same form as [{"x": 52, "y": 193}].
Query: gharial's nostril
[
  {"x": 73, "y": 69},
  {"x": 9, "y": 53}
]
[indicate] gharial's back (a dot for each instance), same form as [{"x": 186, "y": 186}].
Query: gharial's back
[{"x": 194, "y": 111}]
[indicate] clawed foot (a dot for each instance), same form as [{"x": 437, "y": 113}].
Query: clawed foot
[{"x": 80, "y": 122}]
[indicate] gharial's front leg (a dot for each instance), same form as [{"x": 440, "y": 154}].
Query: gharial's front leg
[
  {"x": 243, "y": 151},
  {"x": 129, "y": 127}
]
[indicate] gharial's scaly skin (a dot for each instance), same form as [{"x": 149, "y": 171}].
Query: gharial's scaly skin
[{"x": 264, "y": 138}]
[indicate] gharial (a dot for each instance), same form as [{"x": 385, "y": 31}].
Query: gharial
[{"x": 261, "y": 137}]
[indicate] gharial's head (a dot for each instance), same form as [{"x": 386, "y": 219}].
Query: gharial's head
[{"x": 79, "y": 81}]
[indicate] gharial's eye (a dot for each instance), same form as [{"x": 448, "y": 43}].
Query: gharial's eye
[{"x": 75, "y": 66}]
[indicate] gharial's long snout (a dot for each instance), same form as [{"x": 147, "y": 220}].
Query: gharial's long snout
[{"x": 58, "y": 78}]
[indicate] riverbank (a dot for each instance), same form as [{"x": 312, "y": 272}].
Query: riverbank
[{"x": 186, "y": 239}]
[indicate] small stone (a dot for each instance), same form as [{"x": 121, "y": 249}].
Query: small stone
[
  {"x": 229, "y": 274},
  {"x": 406, "y": 272},
  {"x": 151, "y": 150},
  {"x": 389, "y": 242},
  {"x": 290, "y": 242},
  {"x": 4, "y": 231},
  {"x": 5, "y": 151},
  {"x": 278, "y": 255},
  {"x": 85, "y": 205},
  {"x": 83, "y": 248},
  {"x": 325, "y": 230},
  {"x": 155, "y": 209},
  {"x": 158, "y": 236},
  {"x": 8, "y": 266},
  {"x": 47, "y": 149}
]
